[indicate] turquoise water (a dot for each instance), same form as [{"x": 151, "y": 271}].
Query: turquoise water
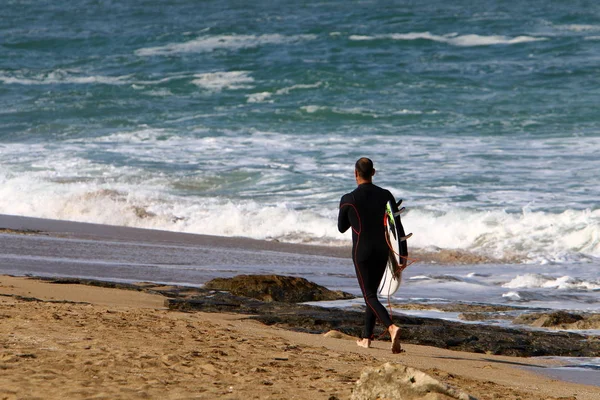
[{"x": 245, "y": 118}]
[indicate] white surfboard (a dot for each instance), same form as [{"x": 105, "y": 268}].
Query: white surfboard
[{"x": 391, "y": 282}]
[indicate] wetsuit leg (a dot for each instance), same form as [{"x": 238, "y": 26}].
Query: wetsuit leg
[
  {"x": 369, "y": 273},
  {"x": 369, "y": 327}
]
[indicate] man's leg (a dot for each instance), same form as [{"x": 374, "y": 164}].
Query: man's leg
[
  {"x": 395, "y": 335},
  {"x": 378, "y": 311},
  {"x": 369, "y": 273},
  {"x": 367, "y": 334},
  {"x": 370, "y": 319}
]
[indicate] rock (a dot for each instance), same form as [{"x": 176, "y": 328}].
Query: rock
[
  {"x": 480, "y": 316},
  {"x": 561, "y": 317},
  {"x": 474, "y": 316},
  {"x": 287, "y": 289},
  {"x": 393, "y": 381},
  {"x": 558, "y": 319},
  {"x": 338, "y": 335}
]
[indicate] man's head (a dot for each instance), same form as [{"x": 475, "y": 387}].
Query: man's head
[{"x": 363, "y": 170}]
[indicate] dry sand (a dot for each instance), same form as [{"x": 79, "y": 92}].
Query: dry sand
[{"x": 84, "y": 342}]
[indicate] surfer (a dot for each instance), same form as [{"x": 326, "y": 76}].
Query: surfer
[{"x": 363, "y": 210}]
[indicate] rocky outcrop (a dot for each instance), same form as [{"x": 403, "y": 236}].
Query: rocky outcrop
[
  {"x": 560, "y": 320},
  {"x": 338, "y": 335},
  {"x": 393, "y": 381},
  {"x": 287, "y": 289},
  {"x": 483, "y": 316}
]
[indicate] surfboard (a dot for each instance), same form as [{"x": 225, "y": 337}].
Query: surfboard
[{"x": 391, "y": 279}]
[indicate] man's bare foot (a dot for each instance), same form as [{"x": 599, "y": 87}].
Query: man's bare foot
[
  {"x": 366, "y": 343},
  {"x": 395, "y": 334}
]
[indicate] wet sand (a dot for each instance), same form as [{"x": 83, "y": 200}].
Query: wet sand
[
  {"x": 43, "y": 247},
  {"x": 78, "y": 341},
  {"x": 80, "y": 230}
]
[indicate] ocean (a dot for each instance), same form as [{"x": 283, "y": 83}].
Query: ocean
[{"x": 244, "y": 119}]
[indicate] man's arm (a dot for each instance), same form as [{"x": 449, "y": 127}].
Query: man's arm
[{"x": 343, "y": 220}]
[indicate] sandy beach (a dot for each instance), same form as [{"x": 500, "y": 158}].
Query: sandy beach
[{"x": 74, "y": 341}]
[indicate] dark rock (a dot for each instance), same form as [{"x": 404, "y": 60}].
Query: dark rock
[
  {"x": 561, "y": 317},
  {"x": 551, "y": 319},
  {"x": 477, "y": 316},
  {"x": 287, "y": 289},
  {"x": 21, "y": 231}
]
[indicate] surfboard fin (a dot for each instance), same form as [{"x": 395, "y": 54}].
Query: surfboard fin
[
  {"x": 399, "y": 202},
  {"x": 405, "y": 237},
  {"x": 400, "y": 211}
]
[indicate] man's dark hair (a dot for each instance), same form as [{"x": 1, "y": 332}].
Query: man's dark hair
[{"x": 364, "y": 167}]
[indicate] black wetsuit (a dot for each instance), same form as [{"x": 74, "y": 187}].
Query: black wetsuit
[{"x": 364, "y": 209}]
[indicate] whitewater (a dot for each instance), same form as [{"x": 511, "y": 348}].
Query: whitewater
[{"x": 265, "y": 187}]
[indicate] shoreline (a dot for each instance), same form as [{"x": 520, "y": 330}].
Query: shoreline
[{"x": 125, "y": 343}]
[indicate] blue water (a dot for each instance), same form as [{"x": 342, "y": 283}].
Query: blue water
[{"x": 245, "y": 118}]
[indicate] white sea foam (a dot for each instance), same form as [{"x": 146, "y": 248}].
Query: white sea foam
[
  {"x": 73, "y": 76},
  {"x": 209, "y": 43},
  {"x": 222, "y": 80},
  {"x": 212, "y": 173},
  {"x": 266, "y": 96},
  {"x": 81, "y": 190},
  {"x": 543, "y": 281},
  {"x": 60, "y": 76},
  {"x": 160, "y": 93},
  {"x": 259, "y": 97},
  {"x": 339, "y": 110},
  {"x": 145, "y": 207},
  {"x": 486, "y": 286},
  {"x": 452, "y": 38},
  {"x": 579, "y": 27},
  {"x": 512, "y": 296},
  {"x": 287, "y": 90},
  {"x": 539, "y": 236},
  {"x": 407, "y": 112},
  {"x": 63, "y": 185},
  {"x": 420, "y": 278},
  {"x": 313, "y": 109}
]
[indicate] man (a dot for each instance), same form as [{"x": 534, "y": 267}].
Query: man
[{"x": 363, "y": 210}]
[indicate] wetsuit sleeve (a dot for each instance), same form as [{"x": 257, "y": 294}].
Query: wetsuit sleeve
[{"x": 343, "y": 219}]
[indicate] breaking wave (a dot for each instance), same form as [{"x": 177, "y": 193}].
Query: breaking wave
[
  {"x": 209, "y": 43},
  {"x": 452, "y": 38},
  {"x": 535, "y": 281},
  {"x": 139, "y": 199},
  {"x": 60, "y": 76}
]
